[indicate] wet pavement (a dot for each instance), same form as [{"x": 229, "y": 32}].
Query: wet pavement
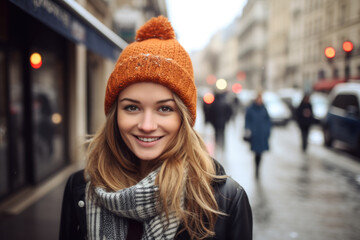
[
  {"x": 313, "y": 195},
  {"x": 40, "y": 221}
]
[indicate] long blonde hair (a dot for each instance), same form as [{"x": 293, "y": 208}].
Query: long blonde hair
[{"x": 187, "y": 170}]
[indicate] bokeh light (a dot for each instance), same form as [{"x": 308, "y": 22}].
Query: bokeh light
[
  {"x": 211, "y": 79},
  {"x": 330, "y": 52},
  {"x": 35, "y": 60},
  {"x": 209, "y": 98},
  {"x": 56, "y": 118},
  {"x": 221, "y": 84},
  {"x": 236, "y": 87}
]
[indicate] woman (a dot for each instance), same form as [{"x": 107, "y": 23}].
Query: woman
[
  {"x": 258, "y": 125},
  {"x": 148, "y": 174}
]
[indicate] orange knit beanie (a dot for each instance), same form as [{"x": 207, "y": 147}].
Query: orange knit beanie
[{"x": 155, "y": 56}]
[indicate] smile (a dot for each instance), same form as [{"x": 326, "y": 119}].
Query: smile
[{"x": 148, "y": 139}]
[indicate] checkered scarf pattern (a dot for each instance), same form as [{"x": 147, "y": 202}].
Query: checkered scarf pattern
[{"x": 107, "y": 212}]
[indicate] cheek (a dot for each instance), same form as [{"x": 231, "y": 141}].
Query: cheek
[
  {"x": 174, "y": 125},
  {"x": 124, "y": 128},
  {"x": 123, "y": 123}
]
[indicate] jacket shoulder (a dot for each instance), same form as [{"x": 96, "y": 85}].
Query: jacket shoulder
[
  {"x": 230, "y": 190},
  {"x": 236, "y": 223},
  {"x": 77, "y": 179},
  {"x": 73, "y": 215}
]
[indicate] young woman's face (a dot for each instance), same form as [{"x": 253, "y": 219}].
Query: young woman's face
[{"x": 148, "y": 119}]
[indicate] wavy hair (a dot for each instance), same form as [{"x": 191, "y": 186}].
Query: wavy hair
[{"x": 187, "y": 171}]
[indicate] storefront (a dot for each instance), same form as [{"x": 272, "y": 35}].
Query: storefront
[{"x": 35, "y": 108}]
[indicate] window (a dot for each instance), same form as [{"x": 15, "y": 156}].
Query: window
[{"x": 344, "y": 100}]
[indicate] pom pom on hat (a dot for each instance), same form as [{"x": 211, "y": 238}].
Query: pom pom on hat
[
  {"x": 156, "y": 56},
  {"x": 158, "y": 27}
]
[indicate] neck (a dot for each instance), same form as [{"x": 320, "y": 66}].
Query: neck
[{"x": 145, "y": 168}]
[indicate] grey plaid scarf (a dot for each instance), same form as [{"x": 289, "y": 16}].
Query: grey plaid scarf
[{"x": 107, "y": 212}]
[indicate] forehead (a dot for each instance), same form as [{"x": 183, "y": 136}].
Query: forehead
[{"x": 146, "y": 90}]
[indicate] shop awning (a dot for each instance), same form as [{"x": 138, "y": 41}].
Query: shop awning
[
  {"x": 326, "y": 85},
  {"x": 74, "y": 22}
]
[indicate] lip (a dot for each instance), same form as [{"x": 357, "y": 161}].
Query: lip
[{"x": 147, "y": 144}]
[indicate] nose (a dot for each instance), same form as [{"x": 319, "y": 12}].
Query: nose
[{"x": 148, "y": 122}]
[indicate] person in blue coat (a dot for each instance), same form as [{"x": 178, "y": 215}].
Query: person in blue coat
[{"x": 258, "y": 125}]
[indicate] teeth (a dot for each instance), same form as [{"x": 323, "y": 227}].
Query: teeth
[{"x": 148, "y": 139}]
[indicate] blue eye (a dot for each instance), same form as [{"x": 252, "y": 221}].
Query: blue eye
[
  {"x": 131, "y": 108},
  {"x": 165, "y": 109}
]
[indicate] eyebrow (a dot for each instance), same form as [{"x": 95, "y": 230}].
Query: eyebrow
[{"x": 136, "y": 101}]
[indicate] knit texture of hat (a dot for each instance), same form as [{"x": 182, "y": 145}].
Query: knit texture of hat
[{"x": 155, "y": 56}]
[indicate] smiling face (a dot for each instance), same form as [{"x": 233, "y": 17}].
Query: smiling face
[{"x": 148, "y": 119}]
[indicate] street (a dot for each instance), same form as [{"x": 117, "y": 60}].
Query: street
[
  {"x": 69, "y": 68},
  {"x": 313, "y": 195}
]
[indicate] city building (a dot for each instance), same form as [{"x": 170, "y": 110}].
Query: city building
[
  {"x": 282, "y": 44},
  {"x": 55, "y": 59},
  {"x": 252, "y": 37}
]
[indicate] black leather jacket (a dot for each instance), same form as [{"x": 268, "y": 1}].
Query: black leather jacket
[{"x": 231, "y": 198}]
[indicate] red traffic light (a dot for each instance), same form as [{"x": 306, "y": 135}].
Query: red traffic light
[
  {"x": 330, "y": 52},
  {"x": 347, "y": 46}
]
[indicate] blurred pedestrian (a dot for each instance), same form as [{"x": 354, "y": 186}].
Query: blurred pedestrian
[
  {"x": 258, "y": 126},
  {"x": 148, "y": 173},
  {"x": 304, "y": 118},
  {"x": 206, "y": 108},
  {"x": 235, "y": 107},
  {"x": 218, "y": 114}
]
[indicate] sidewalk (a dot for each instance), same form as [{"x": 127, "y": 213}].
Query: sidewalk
[
  {"x": 34, "y": 212},
  {"x": 40, "y": 221}
]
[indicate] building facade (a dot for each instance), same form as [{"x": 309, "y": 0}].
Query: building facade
[
  {"x": 48, "y": 108},
  {"x": 330, "y": 23},
  {"x": 278, "y": 25},
  {"x": 252, "y": 37},
  {"x": 281, "y": 44}
]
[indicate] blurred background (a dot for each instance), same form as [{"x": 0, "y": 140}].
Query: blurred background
[{"x": 55, "y": 59}]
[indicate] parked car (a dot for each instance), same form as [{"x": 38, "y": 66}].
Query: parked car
[
  {"x": 246, "y": 97},
  {"x": 278, "y": 111},
  {"x": 291, "y": 96},
  {"x": 320, "y": 105},
  {"x": 342, "y": 121}
]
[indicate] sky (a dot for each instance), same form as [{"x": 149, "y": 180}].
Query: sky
[{"x": 196, "y": 21}]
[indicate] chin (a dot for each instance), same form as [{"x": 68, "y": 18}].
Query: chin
[{"x": 147, "y": 157}]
